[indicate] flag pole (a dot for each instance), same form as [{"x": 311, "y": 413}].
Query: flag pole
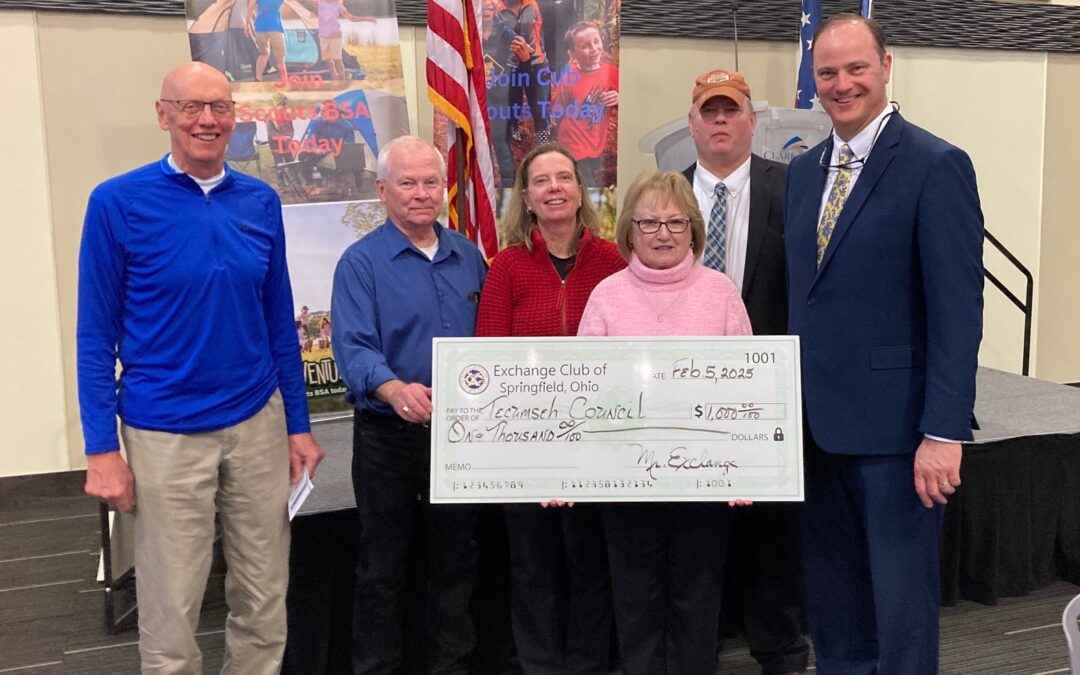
[
  {"x": 459, "y": 172},
  {"x": 735, "y": 22}
]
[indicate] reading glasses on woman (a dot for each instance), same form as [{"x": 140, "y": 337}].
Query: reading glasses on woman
[
  {"x": 652, "y": 226},
  {"x": 194, "y": 108}
]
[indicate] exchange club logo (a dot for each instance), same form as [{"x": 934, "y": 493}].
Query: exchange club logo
[{"x": 474, "y": 379}]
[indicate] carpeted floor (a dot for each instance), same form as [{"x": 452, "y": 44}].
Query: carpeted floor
[{"x": 52, "y": 621}]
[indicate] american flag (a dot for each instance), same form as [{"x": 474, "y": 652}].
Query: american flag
[
  {"x": 456, "y": 87},
  {"x": 806, "y": 90}
]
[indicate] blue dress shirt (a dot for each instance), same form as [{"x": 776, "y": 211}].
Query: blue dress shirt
[{"x": 390, "y": 300}]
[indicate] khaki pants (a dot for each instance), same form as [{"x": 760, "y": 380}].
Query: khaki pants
[{"x": 242, "y": 472}]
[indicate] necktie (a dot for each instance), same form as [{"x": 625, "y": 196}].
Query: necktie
[
  {"x": 835, "y": 204},
  {"x": 716, "y": 241}
]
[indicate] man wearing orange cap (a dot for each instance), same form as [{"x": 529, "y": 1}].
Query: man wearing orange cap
[{"x": 741, "y": 199}]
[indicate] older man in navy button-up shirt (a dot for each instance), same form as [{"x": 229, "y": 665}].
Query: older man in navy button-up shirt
[{"x": 394, "y": 290}]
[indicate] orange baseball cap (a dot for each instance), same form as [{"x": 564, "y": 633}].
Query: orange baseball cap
[{"x": 720, "y": 83}]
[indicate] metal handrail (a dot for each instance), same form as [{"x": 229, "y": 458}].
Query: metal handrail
[{"x": 1026, "y": 305}]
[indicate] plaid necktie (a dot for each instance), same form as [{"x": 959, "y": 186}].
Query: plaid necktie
[
  {"x": 716, "y": 241},
  {"x": 841, "y": 187}
]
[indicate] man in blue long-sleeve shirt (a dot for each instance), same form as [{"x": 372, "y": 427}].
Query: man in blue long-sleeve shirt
[
  {"x": 182, "y": 278},
  {"x": 394, "y": 290}
]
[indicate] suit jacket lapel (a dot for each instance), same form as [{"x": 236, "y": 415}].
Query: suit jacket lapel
[
  {"x": 689, "y": 173},
  {"x": 760, "y": 199},
  {"x": 881, "y": 155},
  {"x": 802, "y": 208}
]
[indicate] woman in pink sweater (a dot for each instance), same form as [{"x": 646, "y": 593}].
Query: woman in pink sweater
[{"x": 666, "y": 558}]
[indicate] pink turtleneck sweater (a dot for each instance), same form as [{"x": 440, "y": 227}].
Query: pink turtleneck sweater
[{"x": 687, "y": 299}]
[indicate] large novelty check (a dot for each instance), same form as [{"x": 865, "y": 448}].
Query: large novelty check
[{"x": 616, "y": 419}]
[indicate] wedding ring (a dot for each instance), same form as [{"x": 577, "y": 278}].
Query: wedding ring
[
  {"x": 944, "y": 485},
  {"x": 405, "y": 409}
]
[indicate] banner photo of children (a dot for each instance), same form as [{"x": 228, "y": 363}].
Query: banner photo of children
[
  {"x": 552, "y": 74},
  {"x": 317, "y": 234},
  {"x": 318, "y": 86}
]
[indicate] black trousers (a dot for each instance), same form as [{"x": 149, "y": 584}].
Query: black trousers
[
  {"x": 494, "y": 653},
  {"x": 321, "y": 590},
  {"x": 390, "y": 478},
  {"x": 764, "y": 581},
  {"x": 667, "y": 564},
  {"x": 561, "y": 590}
]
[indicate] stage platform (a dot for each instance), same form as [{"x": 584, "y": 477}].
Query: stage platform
[
  {"x": 1014, "y": 524},
  {"x": 1010, "y": 406}
]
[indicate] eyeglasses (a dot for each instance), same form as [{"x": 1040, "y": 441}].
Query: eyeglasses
[
  {"x": 651, "y": 226},
  {"x": 194, "y": 108}
]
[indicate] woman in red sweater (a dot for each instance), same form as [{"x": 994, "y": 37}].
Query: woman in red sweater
[
  {"x": 552, "y": 257},
  {"x": 538, "y": 286}
]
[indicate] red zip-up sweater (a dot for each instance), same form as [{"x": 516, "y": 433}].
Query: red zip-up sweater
[{"x": 524, "y": 296}]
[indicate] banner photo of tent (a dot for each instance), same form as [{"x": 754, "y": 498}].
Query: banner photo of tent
[
  {"x": 319, "y": 89},
  {"x": 318, "y": 86}
]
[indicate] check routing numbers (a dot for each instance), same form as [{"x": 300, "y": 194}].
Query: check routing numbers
[{"x": 616, "y": 419}]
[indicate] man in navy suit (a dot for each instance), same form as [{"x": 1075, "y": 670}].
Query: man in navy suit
[{"x": 884, "y": 252}]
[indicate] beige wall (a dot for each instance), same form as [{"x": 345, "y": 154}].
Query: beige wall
[
  {"x": 32, "y": 388},
  {"x": 950, "y": 93},
  {"x": 74, "y": 130},
  {"x": 1058, "y": 319}
]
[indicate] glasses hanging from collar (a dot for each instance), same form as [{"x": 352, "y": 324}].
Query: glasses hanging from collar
[{"x": 858, "y": 162}]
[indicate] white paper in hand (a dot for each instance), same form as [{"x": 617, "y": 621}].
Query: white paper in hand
[{"x": 300, "y": 492}]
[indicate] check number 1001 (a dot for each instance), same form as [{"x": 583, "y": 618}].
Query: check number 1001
[{"x": 761, "y": 357}]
